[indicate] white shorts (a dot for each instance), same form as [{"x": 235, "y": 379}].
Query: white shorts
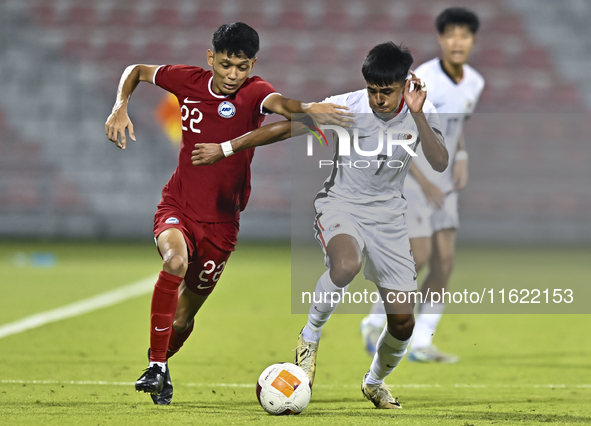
[
  {"x": 423, "y": 220},
  {"x": 385, "y": 246}
]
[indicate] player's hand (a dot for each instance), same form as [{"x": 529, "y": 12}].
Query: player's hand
[
  {"x": 433, "y": 195},
  {"x": 115, "y": 126},
  {"x": 206, "y": 153},
  {"x": 415, "y": 99},
  {"x": 325, "y": 113},
  {"x": 460, "y": 175}
]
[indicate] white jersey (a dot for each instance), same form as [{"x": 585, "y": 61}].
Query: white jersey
[
  {"x": 454, "y": 102},
  {"x": 371, "y": 186}
]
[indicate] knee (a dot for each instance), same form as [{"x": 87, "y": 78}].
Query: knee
[
  {"x": 181, "y": 325},
  {"x": 175, "y": 264},
  {"x": 344, "y": 271},
  {"x": 443, "y": 266},
  {"x": 402, "y": 326}
]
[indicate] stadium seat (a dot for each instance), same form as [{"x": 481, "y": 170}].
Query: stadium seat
[
  {"x": 340, "y": 21},
  {"x": 325, "y": 54},
  {"x": 117, "y": 50},
  {"x": 282, "y": 53},
  {"x": 493, "y": 57},
  {"x": 208, "y": 18},
  {"x": 43, "y": 14},
  {"x": 124, "y": 17},
  {"x": 536, "y": 57},
  {"x": 81, "y": 15},
  {"x": 504, "y": 25},
  {"x": 23, "y": 192},
  {"x": 159, "y": 53},
  {"x": 421, "y": 22},
  {"x": 166, "y": 17},
  {"x": 294, "y": 19},
  {"x": 65, "y": 195},
  {"x": 79, "y": 49}
]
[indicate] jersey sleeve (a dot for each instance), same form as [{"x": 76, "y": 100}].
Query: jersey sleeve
[
  {"x": 263, "y": 90},
  {"x": 478, "y": 86},
  {"x": 337, "y": 99},
  {"x": 176, "y": 78},
  {"x": 432, "y": 116}
]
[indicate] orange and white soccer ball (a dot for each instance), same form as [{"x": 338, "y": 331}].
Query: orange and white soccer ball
[{"x": 284, "y": 389}]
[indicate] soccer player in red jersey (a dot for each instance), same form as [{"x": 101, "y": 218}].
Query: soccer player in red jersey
[{"x": 196, "y": 223}]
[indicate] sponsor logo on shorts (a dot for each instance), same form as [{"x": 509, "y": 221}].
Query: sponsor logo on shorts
[
  {"x": 161, "y": 329},
  {"x": 226, "y": 110},
  {"x": 172, "y": 220},
  {"x": 335, "y": 226}
]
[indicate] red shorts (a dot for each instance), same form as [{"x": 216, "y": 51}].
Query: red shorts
[{"x": 209, "y": 246}]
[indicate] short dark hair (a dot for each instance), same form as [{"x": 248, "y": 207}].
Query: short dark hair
[
  {"x": 235, "y": 39},
  {"x": 457, "y": 16},
  {"x": 387, "y": 63}
]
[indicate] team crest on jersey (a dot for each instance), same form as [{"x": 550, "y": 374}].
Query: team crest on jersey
[
  {"x": 335, "y": 226},
  {"x": 404, "y": 136},
  {"x": 226, "y": 109},
  {"x": 172, "y": 220}
]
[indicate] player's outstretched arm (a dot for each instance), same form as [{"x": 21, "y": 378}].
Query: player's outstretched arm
[
  {"x": 321, "y": 113},
  {"x": 118, "y": 121},
  {"x": 210, "y": 153},
  {"x": 433, "y": 143}
]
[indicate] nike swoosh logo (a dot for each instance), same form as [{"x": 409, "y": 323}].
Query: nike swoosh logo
[
  {"x": 390, "y": 366},
  {"x": 161, "y": 329},
  {"x": 200, "y": 287},
  {"x": 187, "y": 101}
]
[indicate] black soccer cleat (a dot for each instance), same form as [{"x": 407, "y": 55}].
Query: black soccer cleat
[
  {"x": 166, "y": 395},
  {"x": 152, "y": 381}
]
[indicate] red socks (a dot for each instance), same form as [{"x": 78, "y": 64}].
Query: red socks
[
  {"x": 178, "y": 339},
  {"x": 164, "y": 303}
]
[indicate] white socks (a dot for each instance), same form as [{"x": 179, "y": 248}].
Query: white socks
[
  {"x": 162, "y": 365},
  {"x": 321, "y": 308},
  {"x": 426, "y": 324},
  {"x": 389, "y": 352}
]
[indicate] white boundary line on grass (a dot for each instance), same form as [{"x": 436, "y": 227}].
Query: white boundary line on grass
[
  {"x": 80, "y": 307},
  {"x": 246, "y": 385}
]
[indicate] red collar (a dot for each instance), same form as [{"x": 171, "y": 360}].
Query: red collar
[{"x": 399, "y": 108}]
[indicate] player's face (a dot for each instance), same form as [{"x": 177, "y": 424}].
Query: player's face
[
  {"x": 385, "y": 100},
  {"x": 229, "y": 73},
  {"x": 456, "y": 43}
]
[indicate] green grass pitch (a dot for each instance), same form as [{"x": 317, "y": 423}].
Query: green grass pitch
[{"x": 514, "y": 369}]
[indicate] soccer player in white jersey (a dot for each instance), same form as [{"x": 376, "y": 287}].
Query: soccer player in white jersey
[
  {"x": 360, "y": 211},
  {"x": 432, "y": 215}
]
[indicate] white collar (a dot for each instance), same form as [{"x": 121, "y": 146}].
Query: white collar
[{"x": 211, "y": 91}]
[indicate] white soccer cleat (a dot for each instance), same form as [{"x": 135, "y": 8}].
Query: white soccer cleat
[
  {"x": 380, "y": 395},
  {"x": 431, "y": 354},
  {"x": 370, "y": 334},
  {"x": 305, "y": 357}
]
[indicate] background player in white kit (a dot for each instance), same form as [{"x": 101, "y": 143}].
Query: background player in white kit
[
  {"x": 360, "y": 211},
  {"x": 432, "y": 215}
]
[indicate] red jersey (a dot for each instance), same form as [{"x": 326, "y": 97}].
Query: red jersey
[{"x": 218, "y": 192}]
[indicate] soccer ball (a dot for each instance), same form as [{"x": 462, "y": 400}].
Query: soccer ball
[{"x": 284, "y": 389}]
